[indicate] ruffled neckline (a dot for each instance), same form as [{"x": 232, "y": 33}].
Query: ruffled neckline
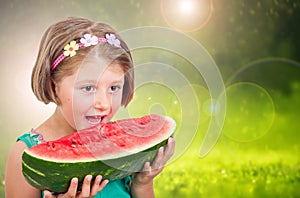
[{"x": 37, "y": 136}]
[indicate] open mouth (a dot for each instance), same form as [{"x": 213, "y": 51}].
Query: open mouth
[{"x": 94, "y": 120}]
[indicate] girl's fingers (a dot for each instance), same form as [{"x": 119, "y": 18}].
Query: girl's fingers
[
  {"x": 158, "y": 161},
  {"x": 71, "y": 191},
  {"x": 98, "y": 185},
  {"x": 69, "y": 194},
  {"x": 147, "y": 167},
  {"x": 86, "y": 186},
  {"x": 169, "y": 151},
  {"x": 73, "y": 188},
  {"x": 103, "y": 184},
  {"x": 86, "y": 191},
  {"x": 48, "y": 194},
  {"x": 151, "y": 170},
  {"x": 163, "y": 155}
]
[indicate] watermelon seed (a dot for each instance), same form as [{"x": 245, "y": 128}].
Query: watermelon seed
[{"x": 50, "y": 145}]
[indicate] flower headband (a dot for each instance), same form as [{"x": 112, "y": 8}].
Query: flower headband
[{"x": 86, "y": 41}]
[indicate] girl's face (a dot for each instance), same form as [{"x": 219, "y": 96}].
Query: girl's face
[{"x": 91, "y": 96}]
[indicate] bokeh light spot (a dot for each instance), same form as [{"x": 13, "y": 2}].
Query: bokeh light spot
[
  {"x": 211, "y": 107},
  {"x": 155, "y": 98},
  {"x": 250, "y": 112}
]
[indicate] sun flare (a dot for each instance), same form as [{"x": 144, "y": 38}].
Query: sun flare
[
  {"x": 187, "y": 15},
  {"x": 186, "y": 6}
]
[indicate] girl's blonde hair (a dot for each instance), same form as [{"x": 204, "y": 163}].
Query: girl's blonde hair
[{"x": 52, "y": 44}]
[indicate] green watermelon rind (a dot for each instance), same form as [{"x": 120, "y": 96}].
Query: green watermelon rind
[{"x": 56, "y": 176}]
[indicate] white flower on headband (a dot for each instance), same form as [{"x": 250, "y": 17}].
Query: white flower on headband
[
  {"x": 89, "y": 40},
  {"x": 111, "y": 39}
]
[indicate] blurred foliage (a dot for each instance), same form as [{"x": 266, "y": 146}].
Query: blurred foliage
[{"x": 238, "y": 33}]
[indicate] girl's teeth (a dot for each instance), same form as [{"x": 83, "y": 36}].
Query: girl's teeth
[{"x": 94, "y": 120}]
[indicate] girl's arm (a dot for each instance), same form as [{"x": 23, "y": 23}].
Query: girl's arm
[
  {"x": 146, "y": 191},
  {"x": 142, "y": 183},
  {"x": 15, "y": 184}
]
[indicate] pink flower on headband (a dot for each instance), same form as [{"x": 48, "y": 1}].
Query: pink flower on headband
[
  {"x": 70, "y": 49},
  {"x": 111, "y": 39},
  {"x": 89, "y": 40}
]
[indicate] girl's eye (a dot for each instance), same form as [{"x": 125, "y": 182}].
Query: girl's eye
[
  {"x": 89, "y": 88},
  {"x": 114, "y": 89}
]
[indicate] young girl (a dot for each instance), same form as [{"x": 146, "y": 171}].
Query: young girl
[{"x": 86, "y": 69}]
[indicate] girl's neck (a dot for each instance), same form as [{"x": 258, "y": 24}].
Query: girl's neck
[{"x": 55, "y": 127}]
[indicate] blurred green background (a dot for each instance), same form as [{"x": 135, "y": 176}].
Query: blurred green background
[{"x": 255, "y": 45}]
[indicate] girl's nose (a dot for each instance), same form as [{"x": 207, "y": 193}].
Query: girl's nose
[{"x": 102, "y": 101}]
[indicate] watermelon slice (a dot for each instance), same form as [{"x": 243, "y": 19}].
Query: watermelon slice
[{"x": 113, "y": 150}]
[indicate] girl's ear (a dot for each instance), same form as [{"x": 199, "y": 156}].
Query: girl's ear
[{"x": 55, "y": 90}]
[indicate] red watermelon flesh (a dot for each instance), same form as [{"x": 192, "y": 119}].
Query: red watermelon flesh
[
  {"x": 113, "y": 150},
  {"x": 108, "y": 141}
]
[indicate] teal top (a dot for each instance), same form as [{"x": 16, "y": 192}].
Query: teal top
[{"x": 118, "y": 188}]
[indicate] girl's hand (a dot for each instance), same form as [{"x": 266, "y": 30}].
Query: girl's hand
[
  {"x": 87, "y": 190},
  {"x": 150, "y": 171}
]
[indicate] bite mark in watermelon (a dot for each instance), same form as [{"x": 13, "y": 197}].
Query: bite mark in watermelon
[{"x": 113, "y": 150}]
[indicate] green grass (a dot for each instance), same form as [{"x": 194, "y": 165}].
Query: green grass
[
  {"x": 248, "y": 174},
  {"x": 268, "y": 166}
]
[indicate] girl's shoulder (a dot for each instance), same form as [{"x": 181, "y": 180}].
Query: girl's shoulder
[{"x": 31, "y": 138}]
